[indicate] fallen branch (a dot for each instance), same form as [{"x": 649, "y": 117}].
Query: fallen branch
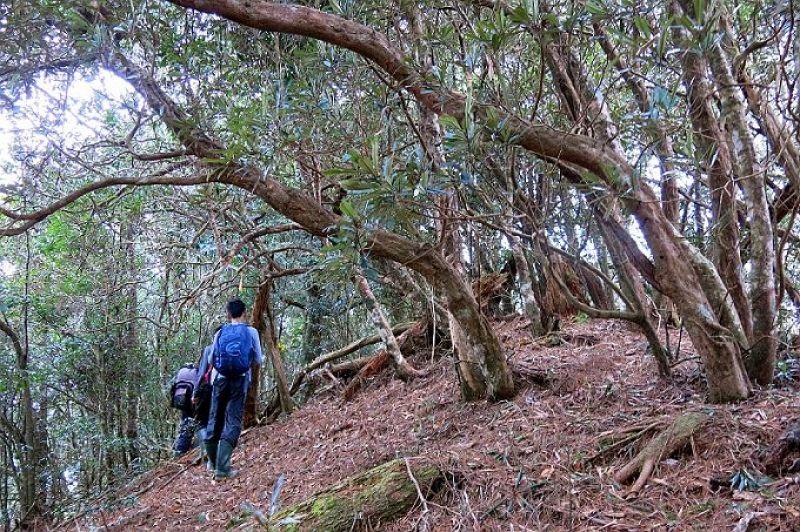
[
  {"x": 675, "y": 437},
  {"x": 339, "y": 353},
  {"x": 382, "y": 360},
  {"x": 375, "y": 365}
]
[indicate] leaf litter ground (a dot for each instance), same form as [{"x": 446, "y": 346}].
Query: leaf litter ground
[{"x": 542, "y": 461}]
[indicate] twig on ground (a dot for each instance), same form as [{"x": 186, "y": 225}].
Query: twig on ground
[{"x": 416, "y": 485}]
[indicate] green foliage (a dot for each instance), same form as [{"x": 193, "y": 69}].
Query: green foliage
[
  {"x": 787, "y": 369},
  {"x": 582, "y": 318},
  {"x": 154, "y": 261}
]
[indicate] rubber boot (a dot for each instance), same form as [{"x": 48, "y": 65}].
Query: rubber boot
[
  {"x": 212, "y": 451},
  {"x": 201, "y": 443},
  {"x": 224, "y": 461}
]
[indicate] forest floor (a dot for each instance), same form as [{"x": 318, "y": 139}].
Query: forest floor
[{"x": 536, "y": 462}]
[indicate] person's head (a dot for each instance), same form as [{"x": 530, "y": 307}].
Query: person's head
[{"x": 235, "y": 308}]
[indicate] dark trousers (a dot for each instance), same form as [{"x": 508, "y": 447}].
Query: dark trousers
[
  {"x": 184, "y": 441},
  {"x": 227, "y": 409}
]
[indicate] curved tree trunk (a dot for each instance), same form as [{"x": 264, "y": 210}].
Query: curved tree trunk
[
  {"x": 761, "y": 358},
  {"x": 726, "y": 254},
  {"x": 264, "y": 324},
  {"x": 727, "y": 378},
  {"x": 675, "y": 276}
]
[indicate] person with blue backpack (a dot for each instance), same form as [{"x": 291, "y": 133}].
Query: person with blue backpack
[{"x": 236, "y": 347}]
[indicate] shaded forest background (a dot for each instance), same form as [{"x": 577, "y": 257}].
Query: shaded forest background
[{"x": 350, "y": 168}]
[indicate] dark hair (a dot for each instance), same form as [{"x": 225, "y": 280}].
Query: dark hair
[{"x": 235, "y": 308}]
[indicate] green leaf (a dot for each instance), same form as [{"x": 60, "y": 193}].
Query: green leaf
[
  {"x": 355, "y": 183},
  {"x": 347, "y": 208},
  {"x": 595, "y": 8},
  {"x": 450, "y": 122},
  {"x": 643, "y": 26}
]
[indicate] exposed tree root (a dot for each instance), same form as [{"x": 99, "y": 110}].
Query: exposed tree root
[
  {"x": 675, "y": 437},
  {"x": 625, "y": 436}
]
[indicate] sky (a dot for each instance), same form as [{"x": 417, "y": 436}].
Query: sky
[{"x": 22, "y": 123}]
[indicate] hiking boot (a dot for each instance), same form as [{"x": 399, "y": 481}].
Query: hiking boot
[
  {"x": 201, "y": 445},
  {"x": 211, "y": 453},
  {"x": 224, "y": 461},
  {"x": 201, "y": 442}
]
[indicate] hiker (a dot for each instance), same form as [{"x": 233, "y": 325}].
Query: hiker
[
  {"x": 235, "y": 348},
  {"x": 182, "y": 388}
]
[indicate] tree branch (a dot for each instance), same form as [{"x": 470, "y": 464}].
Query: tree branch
[{"x": 31, "y": 219}]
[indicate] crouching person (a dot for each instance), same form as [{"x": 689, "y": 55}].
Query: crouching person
[
  {"x": 236, "y": 346},
  {"x": 181, "y": 392}
]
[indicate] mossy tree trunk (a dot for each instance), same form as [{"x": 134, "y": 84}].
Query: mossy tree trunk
[{"x": 364, "y": 501}]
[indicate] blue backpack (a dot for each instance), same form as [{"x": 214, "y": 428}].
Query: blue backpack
[{"x": 233, "y": 350}]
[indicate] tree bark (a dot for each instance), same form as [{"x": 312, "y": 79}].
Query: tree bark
[
  {"x": 28, "y": 455},
  {"x": 130, "y": 343},
  {"x": 716, "y": 152},
  {"x": 597, "y": 162},
  {"x": 672, "y": 439},
  {"x": 529, "y": 302},
  {"x": 762, "y": 356}
]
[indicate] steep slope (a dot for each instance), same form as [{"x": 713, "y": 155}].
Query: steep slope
[{"x": 534, "y": 463}]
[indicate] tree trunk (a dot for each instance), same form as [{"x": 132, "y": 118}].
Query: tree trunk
[
  {"x": 404, "y": 370},
  {"x": 632, "y": 287},
  {"x": 314, "y": 329},
  {"x": 130, "y": 343},
  {"x": 715, "y": 152},
  {"x": 364, "y": 501},
  {"x": 675, "y": 275},
  {"x": 761, "y": 358},
  {"x": 529, "y": 302},
  {"x": 28, "y": 455},
  {"x": 601, "y": 164},
  {"x": 263, "y": 322}
]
